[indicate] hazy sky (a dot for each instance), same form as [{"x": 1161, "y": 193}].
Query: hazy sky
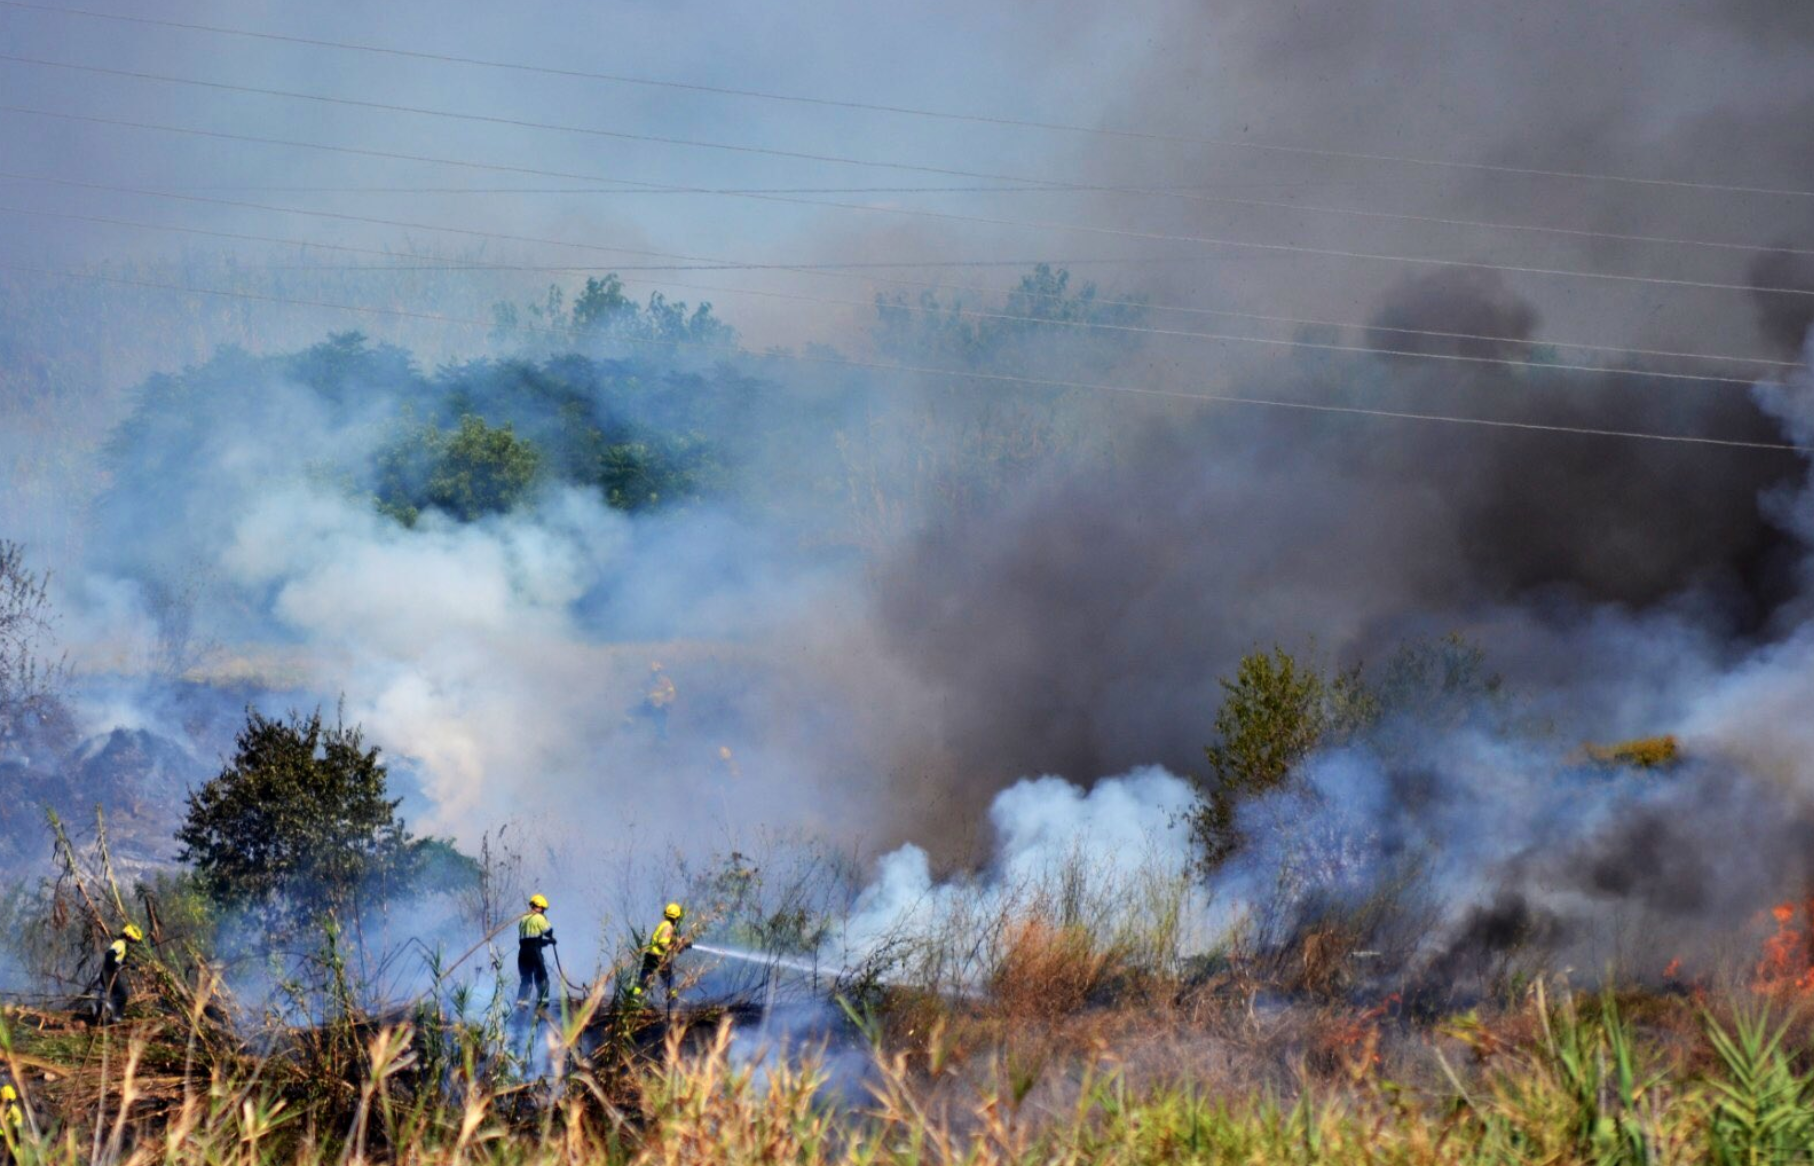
[
  {"x": 946, "y": 56},
  {"x": 1696, "y": 89}
]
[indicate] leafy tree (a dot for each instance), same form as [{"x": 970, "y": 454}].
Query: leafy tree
[
  {"x": 1037, "y": 325},
  {"x": 600, "y": 303},
  {"x": 345, "y": 368},
  {"x": 30, "y": 680},
  {"x": 1278, "y": 709},
  {"x": 478, "y": 469},
  {"x": 1274, "y": 712},
  {"x": 602, "y": 311},
  {"x": 299, "y": 822}
]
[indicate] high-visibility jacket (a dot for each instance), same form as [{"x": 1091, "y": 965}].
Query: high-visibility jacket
[
  {"x": 11, "y": 1115},
  {"x": 115, "y": 959},
  {"x": 534, "y": 932},
  {"x": 663, "y": 938}
]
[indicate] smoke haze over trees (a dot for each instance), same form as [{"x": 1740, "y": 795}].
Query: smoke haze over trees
[{"x": 893, "y": 552}]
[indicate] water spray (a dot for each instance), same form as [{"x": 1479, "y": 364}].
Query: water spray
[
  {"x": 811, "y": 968},
  {"x": 814, "y": 968}
]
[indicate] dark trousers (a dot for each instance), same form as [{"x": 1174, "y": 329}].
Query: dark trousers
[
  {"x": 115, "y": 990},
  {"x": 652, "y": 963},
  {"x": 533, "y": 977}
]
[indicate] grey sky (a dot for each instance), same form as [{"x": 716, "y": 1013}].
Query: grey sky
[{"x": 1701, "y": 91}]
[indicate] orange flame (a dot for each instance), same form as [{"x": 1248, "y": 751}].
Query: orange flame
[
  {"x": 1787, "y": 961},
  {"x": 1357, "y": 1038}
]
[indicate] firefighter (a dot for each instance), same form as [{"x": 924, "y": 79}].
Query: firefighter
[
  {"x": 659, "y": 700},
  {"x": 115, "y": 986},
  {"x": 533, "y": 934},
  {"x": 12, "y": 1119},
  {"x": 659, "y": 955}
]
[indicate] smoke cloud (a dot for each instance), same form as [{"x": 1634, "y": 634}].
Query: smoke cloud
[{"x": 901, "y": 595}]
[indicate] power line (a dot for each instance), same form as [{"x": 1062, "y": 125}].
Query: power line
[
  {"x": 267, "y": 189},
  {"x": 441, "y": 263},
  {"x": 1120, "y": 232},
  {"x": 911, "y": 111},
  {"x": 1037, "y": 320},
  {"x": 1026, "y": 184},
  {"x": 1132, "y": 304},
  {"x": 1007, "y": 378}
]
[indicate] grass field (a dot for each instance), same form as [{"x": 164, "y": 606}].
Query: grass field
[{"x": 1042, "y": 1068}]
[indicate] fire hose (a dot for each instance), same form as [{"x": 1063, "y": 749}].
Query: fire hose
[{"x": 571, "y": 986}]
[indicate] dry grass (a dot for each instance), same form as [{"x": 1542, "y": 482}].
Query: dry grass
[
  {"x": 1078, "y": 1044},
  {"x": 1568, "y": 1080}
]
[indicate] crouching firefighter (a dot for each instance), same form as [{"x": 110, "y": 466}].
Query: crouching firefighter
[
  {"x": 534, "y": 934},
  {"x": 664, "y": 944},
  {"x": 114, "y": 988}
]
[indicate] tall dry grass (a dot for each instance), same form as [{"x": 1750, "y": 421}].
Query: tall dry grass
[
  {"x": 1574, "y": 1080},
  {"x": 1059, "y": 1024}
]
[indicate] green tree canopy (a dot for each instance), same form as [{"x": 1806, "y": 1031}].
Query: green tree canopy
[
  {"x": 601, "y": 311},
  {"x": 1278, "y": 709},
  {"x": 477, "y": 469},
  {"x": 1274, "y": 712},
  {"x": 298, "y": 823}
]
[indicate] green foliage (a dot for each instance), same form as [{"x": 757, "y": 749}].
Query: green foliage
[
  {"x": 30, "y": 676},
  {"x": 1761, "y": 1111},
  {"x": 1594, "y": 1067},
  {"x": 1279, "y": 709},
  {"x": 188, "y": 919},
  {"x": 298, "y": 823},
  {"x": 1039, "y": 322},
  {"x": 438, "y": 863},
  {"x": 469, "y": 439},
  {"x": 346, "y": 367},
  {"x": 476, "y": 470},
  {"x": 602, "y": 312},
  {"x": 1274, "y": 712},
  {"x": 600, "y": 302}
]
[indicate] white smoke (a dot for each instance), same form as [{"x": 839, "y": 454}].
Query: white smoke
[
  {"x": 1058, "y": 848},
  {"x": 455, "y": 643},
  {"x": 1757, "y": 713}
]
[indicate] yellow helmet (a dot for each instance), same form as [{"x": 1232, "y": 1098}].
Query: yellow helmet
[
  {"x": 539, "y": 902},
  {"x": 8, "y": 1093},
  {"x": 672, "y": 911},
  {"x": 131, "y": 931}
]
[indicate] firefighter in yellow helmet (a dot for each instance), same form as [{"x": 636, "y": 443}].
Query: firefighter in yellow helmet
[
  {"x": 658, "y": 956},
  {"x": 115, "y": 986},
  {"x": 659, "y": 699},
  {"x": 12, "y": 1118},
  {"x": 534, "y": 935}
]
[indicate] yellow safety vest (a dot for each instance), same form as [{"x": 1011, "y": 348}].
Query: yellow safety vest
[
  {"x": 117, "y": 950},
  {"x": 663, "y": 938},
  {"x": 533, "y": 926}
]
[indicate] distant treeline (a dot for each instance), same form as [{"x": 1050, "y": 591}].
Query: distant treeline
[{"x": 648, "y": 403}]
